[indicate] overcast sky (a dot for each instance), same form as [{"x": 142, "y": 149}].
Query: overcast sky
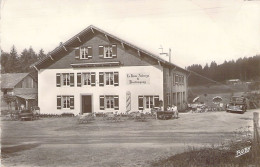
[{"x": 197, "y": 31}]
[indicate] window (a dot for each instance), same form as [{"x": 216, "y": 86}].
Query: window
[
  {"x": 83, "y": 53},
  {"x": 109, "y": 78},
  {"x": 65, "y": 79},
  {"x": 180, "y": 80},
  {"x": 86, "y": 78},
  {"x": 148, "y": 102},
  {"x": 176, "y": 79},
  {"x": 65, "y": 102},
  {"x": 108, "y": 51},
  {"x": 109, "y": 102}
]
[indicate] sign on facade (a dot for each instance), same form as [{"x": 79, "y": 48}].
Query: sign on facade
[{"x": 138, "y": 78}]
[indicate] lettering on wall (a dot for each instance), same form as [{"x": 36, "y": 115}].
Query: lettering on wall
[{"x": 138, "y": 78}]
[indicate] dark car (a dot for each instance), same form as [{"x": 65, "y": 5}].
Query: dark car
[
  {"x": 237, "y": 104},
  {"x": 25, "y": 115},
  {"x": 164, "y": 115}
]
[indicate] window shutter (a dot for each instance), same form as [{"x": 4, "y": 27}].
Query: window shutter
[
  {"x": 101, "y": 102},
  {"x": 176, "y": 79},
  {"x": 116, "y": 99},
  {"x": 173, "y": 79},
  {"x": 71, "y": 102},
  {"x": 71, "y": 79},
  {"x": 58, "y": 102},
  {"x": 78, "y": 79},
  {"x": 101, "y": 51},
  {"x": 156, "y": 101},
  {"x": 101, "y": 79},
  {"x": 114, "y": 51},
  {"x": 58, "y": 79},
  {"x": 93, "y": 79},
  {"x": 116, "y": 79},
  {"x": 77, "y": 53},
  {"x": 89, "y": 52},
  {"x": 140, "y": 102}
]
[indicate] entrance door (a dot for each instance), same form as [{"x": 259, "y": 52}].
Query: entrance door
[{"x": 86, "y": 104}]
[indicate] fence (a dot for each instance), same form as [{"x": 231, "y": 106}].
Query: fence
[{"x": 256, "y": 140}]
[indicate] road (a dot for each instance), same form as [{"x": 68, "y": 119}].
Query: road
[{"x": 63, "y": 142}]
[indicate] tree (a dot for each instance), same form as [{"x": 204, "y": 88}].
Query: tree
[
  {"x": 246, "y": 69},
  {"x": 41, "y": 54},
  {"x": 9, "y": 99},
  {"x": 28, "y": 57},
  {"x": 4, "y": 60},
  {"x": 12, "y": 65}
]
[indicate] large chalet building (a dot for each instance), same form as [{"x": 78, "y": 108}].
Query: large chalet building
[{"x": 97, "y": 72}]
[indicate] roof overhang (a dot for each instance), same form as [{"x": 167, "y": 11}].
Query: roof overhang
[
  {"x": 27, "y": 96},
  {"x": 91, "y": 30}
]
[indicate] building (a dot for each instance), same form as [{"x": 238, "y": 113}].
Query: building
[
  {"x": 95, "y": 71},
  {"x": 22, "y": 87}
]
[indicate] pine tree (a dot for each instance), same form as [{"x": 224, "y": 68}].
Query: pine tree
[
  {"x": 12, "y": 65},
  {"x": 4, "y": 60},
  {"x": 41, "y": 54}
]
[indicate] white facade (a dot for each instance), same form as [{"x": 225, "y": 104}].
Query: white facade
[{"x": 48, "y": 90}]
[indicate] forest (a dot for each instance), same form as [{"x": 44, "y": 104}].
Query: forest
[
  {"x": 12, "y": 62},
  {"x": 246, "y": 69}
]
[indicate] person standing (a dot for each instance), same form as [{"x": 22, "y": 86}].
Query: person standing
[{"x": 175, "y": 111}]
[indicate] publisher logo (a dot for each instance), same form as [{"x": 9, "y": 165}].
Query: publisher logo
[{"x": 242, "y": 151}]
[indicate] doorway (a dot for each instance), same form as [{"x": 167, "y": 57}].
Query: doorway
[{"x": 86, "y": 103}]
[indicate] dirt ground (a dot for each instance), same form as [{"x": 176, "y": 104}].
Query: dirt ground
[{"x": 64, "y": 142}]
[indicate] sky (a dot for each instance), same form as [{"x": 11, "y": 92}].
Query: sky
[{"x": 197, "y": 31}]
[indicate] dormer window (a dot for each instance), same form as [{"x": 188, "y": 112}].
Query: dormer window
[
  {"x": 84, "y": 52},
  {"x": 108, "y": 51}
]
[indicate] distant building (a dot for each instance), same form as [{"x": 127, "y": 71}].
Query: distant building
[
  {"x": 22, "y": 86},
  {"x": 97, "y": 72},
  {"x": 234, "y": 81}
]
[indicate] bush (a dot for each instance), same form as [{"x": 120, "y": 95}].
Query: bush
[{"x": 67, "y": 115}]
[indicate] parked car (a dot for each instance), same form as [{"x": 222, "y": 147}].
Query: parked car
[
  {"x": 237, "y": 104},
  {"x": 165, "y": 115},
  {"x": 25, "y": 115}
]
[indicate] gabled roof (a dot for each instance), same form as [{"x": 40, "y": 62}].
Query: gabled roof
[
  {"x": 10, "y": 80},
  {"x": 93, "y": 29}
]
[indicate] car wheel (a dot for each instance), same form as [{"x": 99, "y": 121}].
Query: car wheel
[{"x": 227, "y": 110}]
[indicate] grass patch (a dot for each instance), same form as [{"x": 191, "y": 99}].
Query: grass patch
[
  {"x": 9, "y": 151},
  {"x": 225, "y": 154},
  {"x": 212, "y": 156}
]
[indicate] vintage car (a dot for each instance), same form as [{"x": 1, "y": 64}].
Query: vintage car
[
  {"x": 237, "y": 104},
  {"x": 165, "y": 115},
  {"x": 25, "y": 115}
]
